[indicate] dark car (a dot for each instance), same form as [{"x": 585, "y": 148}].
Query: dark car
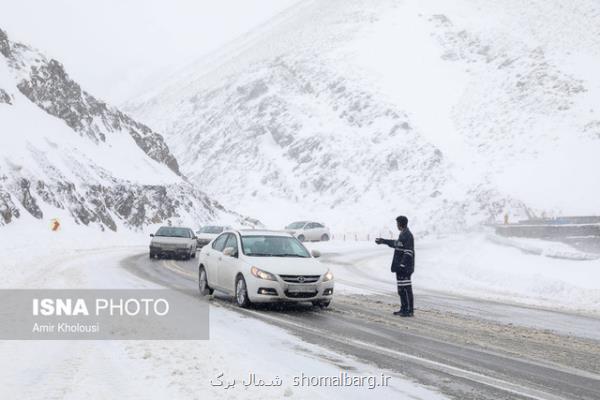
[{"x": 171, "y": 241}]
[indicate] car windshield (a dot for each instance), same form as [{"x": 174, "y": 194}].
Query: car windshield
[
  {"x": 296, "y": 225},
  {"x": 211, "y": 229},
  {"x": 173, "y": 232},
  {"x": 273, "y": 246}
]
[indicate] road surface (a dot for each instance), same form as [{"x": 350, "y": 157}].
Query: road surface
[{"x": 466, "y": 348}]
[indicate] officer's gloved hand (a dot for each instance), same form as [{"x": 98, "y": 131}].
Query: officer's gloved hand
[{"x": 379, "y": 240}]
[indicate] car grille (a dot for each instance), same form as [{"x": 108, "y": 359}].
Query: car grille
[
  {"x": 168, "y": 246},
  {"x": 300, "y": 278},
  {"x": 294, "y": 295}
]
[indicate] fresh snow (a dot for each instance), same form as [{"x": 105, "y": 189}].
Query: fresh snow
[
  {"x": 43, "y": 147},
  {"x": 67, "y": 154},
  {"x": 344, "y": 112},
  {"x": 481, "y": 265},
  {"x": 453, "y": 113},
  {"x": 238, "y": 346}
]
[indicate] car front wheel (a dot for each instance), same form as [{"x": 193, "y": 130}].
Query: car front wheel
[
  {"x": 301, "y": 238},
  {"x": 203, "y": 287},
  {"x": 324, "y": 237},
  {"x": 241, "y": 292}
]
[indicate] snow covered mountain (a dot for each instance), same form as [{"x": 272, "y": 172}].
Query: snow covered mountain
[
  {"x": 453, "y": 113},
  {"x": 66, "y": 154}
]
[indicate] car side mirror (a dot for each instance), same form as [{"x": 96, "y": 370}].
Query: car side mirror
[
  {"x": 315, "y": 253},
  {"x": 152, "y": 235},
  {"x": 195, "y": 237}
]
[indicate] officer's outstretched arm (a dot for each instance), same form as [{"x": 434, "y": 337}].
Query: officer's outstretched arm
[
  {"x": 383, "y": 241},
  {"x": 389, "y": 242}
]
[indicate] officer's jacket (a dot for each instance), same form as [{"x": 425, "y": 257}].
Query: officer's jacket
[{"x": 404, "y": 254}]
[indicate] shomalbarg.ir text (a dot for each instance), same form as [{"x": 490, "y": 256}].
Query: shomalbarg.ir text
[{"x": 343, "y": 379}]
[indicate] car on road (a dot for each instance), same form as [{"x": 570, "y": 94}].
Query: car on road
[
  {"x": 308, "y": 231},
  {"x": 208, "y": 233},
  {"x": 260, "y": 266},
  {"x": 169, "y": 241}
]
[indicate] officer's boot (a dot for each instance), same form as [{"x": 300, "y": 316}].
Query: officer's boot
[
  {"x": 403, "y": 301},
  {"x": 410, "y": 301}
]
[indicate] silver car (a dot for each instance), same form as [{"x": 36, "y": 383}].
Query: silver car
[
  {"x": 171, "y": 241},
  {"x": 208, "y": 233},
  {"x": 308, "y": 231}
]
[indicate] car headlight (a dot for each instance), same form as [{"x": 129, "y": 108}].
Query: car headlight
[
  {"x": 328, "y": 276},
  {"x": 260, "y": 274}
]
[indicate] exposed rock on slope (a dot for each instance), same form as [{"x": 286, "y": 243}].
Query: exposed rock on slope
[
  {"x": 66, "y": 153},
  {"x": 46, "y": 84},
  {"x": 352, "y": 112}
]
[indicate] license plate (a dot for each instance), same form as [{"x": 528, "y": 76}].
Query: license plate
[{"x": 302, "y": 288}]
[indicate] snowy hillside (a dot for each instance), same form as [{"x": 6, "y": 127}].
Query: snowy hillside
[
  {"x": 348, "y": 111},
  {"x": 67, "y": 154}
]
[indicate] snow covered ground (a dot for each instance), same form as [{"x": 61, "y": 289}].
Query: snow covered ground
[
  {"x": 478, "y": 265},
  {"x": 67, "y": 154},
  {"x": 345, "y": 112},
  {"x": 79, "y": 257},
  {"x": 452, "y": 113}
]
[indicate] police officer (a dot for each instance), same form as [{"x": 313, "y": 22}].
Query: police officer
[{"x": 403, "y": 265}]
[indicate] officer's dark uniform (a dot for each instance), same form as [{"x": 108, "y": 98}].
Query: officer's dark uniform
[{"x": 403, "y": 265}]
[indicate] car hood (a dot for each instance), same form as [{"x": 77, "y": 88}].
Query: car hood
[
  {"x": 288, "y": 265},
  {"x": 169, "y": 240},
  {"x": 206, "y": 236}
]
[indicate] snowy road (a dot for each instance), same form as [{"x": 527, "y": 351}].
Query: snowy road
[
  {"x": 560, "y": 321},
  {"x": 466, "y": 348}
]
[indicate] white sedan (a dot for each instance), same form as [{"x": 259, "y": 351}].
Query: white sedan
[
  {"x": 207, "y": 233},
  {"x": 263, "y": 266},
  {"x": 309, "y": 231}
]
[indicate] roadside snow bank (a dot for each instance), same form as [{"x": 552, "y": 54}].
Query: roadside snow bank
[
  {"x": 475, "y": 266},
  {"x": 79, "y": 257},
  {"x": 544, "y": 247},
  {"x": 33, "y": 256}
]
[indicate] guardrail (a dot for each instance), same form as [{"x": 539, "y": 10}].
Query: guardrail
[
  {"x": 548, "y": 231},
  {"x": 362, "y": 236},
  {"x": 582, "y": 236}
]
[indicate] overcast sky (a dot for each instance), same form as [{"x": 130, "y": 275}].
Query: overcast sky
[{"x": 113, "y": 47}]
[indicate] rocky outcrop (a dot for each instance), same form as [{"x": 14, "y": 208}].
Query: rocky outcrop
[
  {"x": 47, "y": 84},
  {"x": 8, "y": 209},
  {"x": 110, "y": 205},
  {"x": 27, "y": 200},
  {"x": 4, "y": 44},
  {"x": 43, "y": 178},
  {"x": 5, "y": 98}
]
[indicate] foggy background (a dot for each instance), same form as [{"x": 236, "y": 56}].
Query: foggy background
[{"x": 115, "y": 48}]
